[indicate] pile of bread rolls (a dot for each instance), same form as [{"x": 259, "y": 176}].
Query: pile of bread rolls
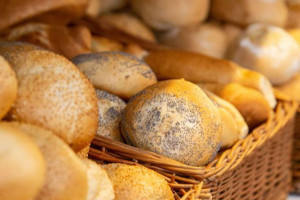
[{"x": 62, "y": 84}]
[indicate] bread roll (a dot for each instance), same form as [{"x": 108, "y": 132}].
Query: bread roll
[
  {"x": 292, "y": 88},
  {"x": 8, "y": 87},
  {"x": 207, "y": 39},
  {"x": 83, "y": 153},
  {"x": 269, "y": 50},
  {"x": 110, "y": 108},
  {"x": 163, "y": 15},
  {"x": 116, "y": 72},
  {"x": 53, "y": 94},
  {"x": 245, "y": 12},
  {"x": 97, "y": 7},
  {"x": 295, "y": 33},
  {"x": 99, "y": 185},
  {"x": 66, "y": 177},
  {"x": 199, "y": 68},
  {"x": 293, "y": 13},
  {"x": 105, "y": 44},
  {"x": 234, "y": 125},
  {"x": 232, "y": 33},
  {"x": 129, "y": 24},
  {"x": 175, "y": 119},
  {"x": 137, "y": 183},
  {"x": 22, "y": 166},
  {"x": 250, "y": 103}
]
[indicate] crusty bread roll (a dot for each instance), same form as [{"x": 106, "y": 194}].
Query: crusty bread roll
[
  {"x": 15, "y": 11},
  {"x": 135, "y": 50},
  {"x": 137, "y": 183},
  {"x": 66, "y": 177},
  {"x": 53, "y": 94},
  {"x": 234, "y": 125},
  {"x": 208, "y": 39},
  {"x": 22, "y": 166},
  {"x": 116, "y": 72},
  {"x": 232, "y": 33},
  {"x": 162, "y": 15},
  {"x": 99, "y": 185},
  {"x": 293, "y": 13},
  {"x": 245, "y": 12},
  {"x": 197, "y": 68},
  {"x": 292, "y": 88},
  {"x": 176, "y": 119},
  {"x": 97, "y": 7},
  {"x": 8, "y": 87},
  {"x": 105, "y": 44},
  {"x": 110, "y": 109},
  {"x": 269, "y": 50},
  {"x": 250, "y": 103},
  {"x": 129, "y": 24}
]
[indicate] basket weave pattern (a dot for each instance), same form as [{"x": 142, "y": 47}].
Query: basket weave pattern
[{"x": 296, "y": 155}]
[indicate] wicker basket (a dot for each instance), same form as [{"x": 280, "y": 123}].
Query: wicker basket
[
  {"x": 296, "y": 155},
  {"x": 257, "y": 167}
]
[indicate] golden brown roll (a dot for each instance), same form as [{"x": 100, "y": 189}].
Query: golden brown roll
[
  {"x": 176, "y": 119},
  {"x": 83, "y": 153},
  {"x": 97, "y": 7},
  {"x": 22, "y": 166},
  {"x": 245, "y": 12},
  {"x": 137, "y": 183},
  {"x": 115, "y": 72},
  {"x": 105, "y": 44},
  {"x": 292, "y": 88},
  {"x": 163, "y": 15},
  {"x": 53, "y": 94},
  {"x": 207, "y": 39},
  {"x": 66, "y": 177},
  {"x": 99, "y": 185},
  {"x": 293, "y": 13},
  {"x": 269, "y": 50},
  {"x": 8, "y": 87}
]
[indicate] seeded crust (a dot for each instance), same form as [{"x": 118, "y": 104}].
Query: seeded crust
[
  {"x": 137, "y": 183},
  {"x": 66, "y": 177},
  {"x": 53, "y": 94},
  {"x": 99, "y": 185},
  {"x": 115, "y": 72},
  {"x": 110, "y": 109},
  {"x": 8, "y": 87},
  {"x": 176, "y": 119},
  {"x": 22, "y": 166}
]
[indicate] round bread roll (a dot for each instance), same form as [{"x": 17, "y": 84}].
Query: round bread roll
[
  {"x": 269, "y": 50},
  {"x": 53, "y": 94},
  {"x": 66, "y": 177},
  {"x": 105, "y": 44},
  {"x": 22, "y": 166},
  {"x": 137, "y": 183},
  {"x": 163, "y": 15},
  {"x": 207, "y": 39},
  {"x": 8, "y": 87},
  {"x": 97, "y": 7},
  {"x": 129, "y": 24},
  {"x": 176, "y": 119},
  {"x": 293, "y": 13},
  {"x": 99, "y": 185},
  {"x": 116, "y": 72},
  {"x": 246, "y": 12},
  {"x": 110, "y": 108},
  {"x": 292, "y": 88}
]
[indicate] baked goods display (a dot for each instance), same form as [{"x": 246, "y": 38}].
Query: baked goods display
[{"x": 185, "y": 81}]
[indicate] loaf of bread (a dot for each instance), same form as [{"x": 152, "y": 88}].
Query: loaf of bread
[
  {"x": 245, "y": 12},
  {"x": 137, "y": 183},
  {"x": 66, "y": 177},
  {"x": 168, "y": 64},
  {"x": 118, "y": 73},
  {"x": 166, "y": 14},
  {"x": 207, "y": 39},
  {"x": 176, "y": 119},
  {"x": 250, "y": 103},
  {"x": 52, "y": 94},
  {"x": 8, "y": 87},
  {"x": 293, "y": 13},
  {"x": 292, "y": 88},
  {"x": 99, "y": 185},
  {"x": 22, "y": 166},
  {"x": 269, "y": 50}
]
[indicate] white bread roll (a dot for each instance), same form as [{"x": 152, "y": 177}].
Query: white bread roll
[
  {"x": 207, "y": 39},
  {"x": 97, "y": 7},
  {"x": 176, "y": 119},
  {"x": 8, "y": 87},
  {"x": 115, "y": 72},
  {"x": 66, "y": 177},
  {"x": 110, "y": 109},
  {"x": 22, "y": 166},
  {"x": 292, "y": 88},
  {"x": 245, "y": 12},
  {"x": 163, "y": 15},
  {"x": 99, "y": 185},
  {"x": 137, "y": 183},
  {"x": 269, "y": 50},
  {"x": 53, "y": 94}
]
